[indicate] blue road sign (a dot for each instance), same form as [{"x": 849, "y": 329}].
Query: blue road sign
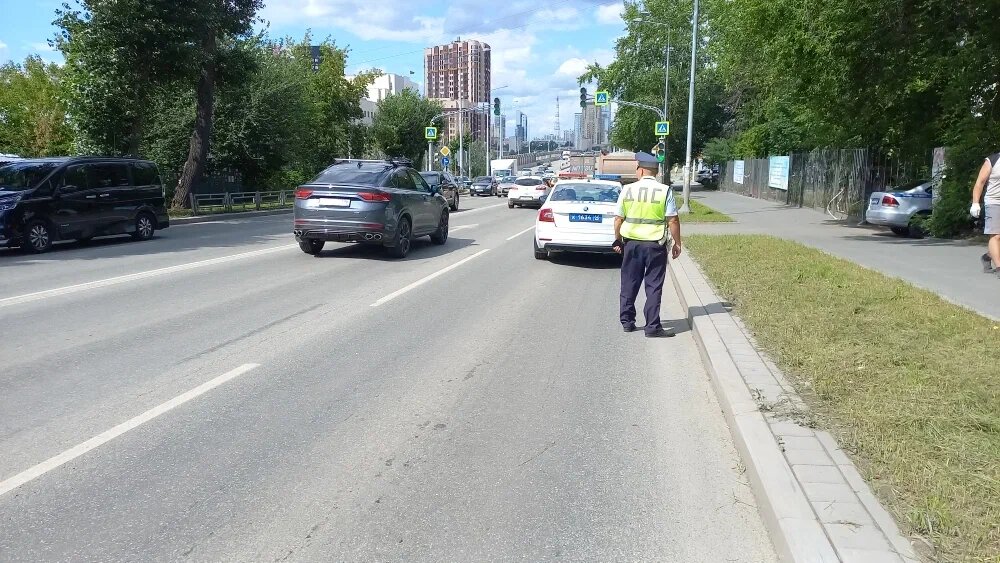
[
  {"x": 430, "y": 133},
  {"x": 601, "y": 98},
  {"x": 662, "y": 128},
  {"x": 445, "y": 161}
]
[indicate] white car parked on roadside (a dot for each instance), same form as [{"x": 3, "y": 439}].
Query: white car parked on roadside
[
  {"x": 529, "y": 190},
  {"x": 579, "y": 216}
]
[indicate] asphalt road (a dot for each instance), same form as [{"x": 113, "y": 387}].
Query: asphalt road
[{"x": 217, "y": 395}]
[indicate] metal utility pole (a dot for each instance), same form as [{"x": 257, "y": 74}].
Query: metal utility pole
[
  {"x": 489, "y": 133},
  {"x": 686, "y": 208},
  {"x": 461, "y": 132},
  {"x": 430, "y": 154},
  {"x": 666, "y": 103}
]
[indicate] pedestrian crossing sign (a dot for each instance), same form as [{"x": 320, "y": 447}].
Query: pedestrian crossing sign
[
  {"x": 430, "y": 133},
  {"x": 601, "y": 98},
  {"x": 662, "y": 128}
]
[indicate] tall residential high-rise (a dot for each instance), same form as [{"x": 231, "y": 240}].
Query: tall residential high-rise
[
  {"x": 593, "y": 131},
  {"x": 458, "y": 75}
]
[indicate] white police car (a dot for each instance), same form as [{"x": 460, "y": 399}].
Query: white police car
[
  {"x": 896, "y": 209},
  {"x": 579, "y": 216}
]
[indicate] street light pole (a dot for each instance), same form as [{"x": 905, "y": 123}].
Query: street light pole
[
  {"x": 686, "y": 208},
  {"x": 666, "y": 99},
  {"x": 461, "y": 132}
]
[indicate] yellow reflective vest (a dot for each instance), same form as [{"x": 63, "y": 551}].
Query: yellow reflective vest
[{"x": 644, "y": 207}]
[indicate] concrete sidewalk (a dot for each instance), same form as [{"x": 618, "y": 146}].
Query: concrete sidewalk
[{"x": 947, "y": 267}]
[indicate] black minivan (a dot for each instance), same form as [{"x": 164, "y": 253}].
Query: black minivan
[{"x": 43, "y": 200}]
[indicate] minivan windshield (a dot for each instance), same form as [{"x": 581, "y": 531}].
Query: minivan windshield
[{"x": 20, "y": 176}]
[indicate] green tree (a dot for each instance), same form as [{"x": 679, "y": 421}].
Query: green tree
[
  {"x": 213, "y": 26},
  {"x": 114, "y": 66},
  {"x": 637, "y": 75},
  {"x": 399, "y": 124},
  {"x": 32, "y": 110}
]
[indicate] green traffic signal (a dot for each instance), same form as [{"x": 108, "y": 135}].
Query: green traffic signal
[
  {"x": 496, "y": 106},
  {"x": 583, "y": 97}
]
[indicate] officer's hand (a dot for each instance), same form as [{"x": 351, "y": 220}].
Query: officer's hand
[
  {"x": 618, "y": 246},
  {"x": 975, "y": 210},
  {"x": 676, "y": 250}
]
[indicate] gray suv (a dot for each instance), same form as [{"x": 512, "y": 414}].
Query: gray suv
[{"x": 380, "y": 202}]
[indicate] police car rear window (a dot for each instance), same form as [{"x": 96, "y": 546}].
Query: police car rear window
[{"x": 586, "y": 192}]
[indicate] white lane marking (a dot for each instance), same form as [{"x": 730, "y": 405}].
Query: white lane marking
[
  {"x": 468, "y": 211},
  {"x": 460, "y": 227},
  {"x": 78, "y": 450},
  {"x": 512, "y": 237},
  {"x": 38, "y": 295},
  {"x": 422, "y": 281}
]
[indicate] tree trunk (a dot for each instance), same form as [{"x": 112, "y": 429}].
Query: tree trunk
[
  {"x": 201, "y": 136},
  {"x": 135, "y": 136}
]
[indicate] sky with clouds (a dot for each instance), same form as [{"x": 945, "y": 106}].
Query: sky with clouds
[{"x": 538, "y": 48}]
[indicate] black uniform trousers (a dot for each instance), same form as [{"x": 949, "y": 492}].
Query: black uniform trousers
[{"x": 643, "y": 261}]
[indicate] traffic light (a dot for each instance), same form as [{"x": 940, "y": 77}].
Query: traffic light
[
  {"x": 496, "y": 106},
  {"x": 661, "y": 151},
  {"x": 583, "y": 97}
]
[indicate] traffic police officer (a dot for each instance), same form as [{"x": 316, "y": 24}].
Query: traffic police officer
[{"x": 645, "y": 209}]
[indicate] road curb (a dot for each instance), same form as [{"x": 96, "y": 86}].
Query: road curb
[
  {"x": 227, "y": 216},
  {"x": 813, "y": 501}
]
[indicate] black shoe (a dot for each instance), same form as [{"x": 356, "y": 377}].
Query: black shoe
[
  {"x": 661, "y": 333},
  {"x": 628, "y": 328}
]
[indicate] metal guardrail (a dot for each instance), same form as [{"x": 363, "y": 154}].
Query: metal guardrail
[{"x": 240, "y": 201}]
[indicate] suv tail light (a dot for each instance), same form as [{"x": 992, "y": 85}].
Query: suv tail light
[
  {"x": 545, "y": 216},
  {"x": 374, "y": 196},
  {"x": 303, "y": 193},
  {"x": 889, "y": 201}
]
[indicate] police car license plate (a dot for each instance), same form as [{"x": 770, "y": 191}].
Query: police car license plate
[{"x": 585, "y": 218}]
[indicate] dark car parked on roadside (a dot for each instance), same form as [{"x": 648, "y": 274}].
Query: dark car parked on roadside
[
  {"x": 46, "y": 200},
  {"x": 447, "y": 184},
  {"x": 369, "y": 201},
  {"x": 483, "y": 185}
]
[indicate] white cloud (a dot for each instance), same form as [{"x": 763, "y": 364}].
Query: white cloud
[
  {"x": 3, "y": 45},
  {"x": 573, "y": 67},
  {"x": 610, "y": 14}
]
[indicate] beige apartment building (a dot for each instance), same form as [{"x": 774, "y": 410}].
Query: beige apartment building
[{"x": 458, "y": 74}]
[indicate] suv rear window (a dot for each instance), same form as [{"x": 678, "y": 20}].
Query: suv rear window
[
  {"x": 20, "y": 176},
  {"x": 527, "y": 181},
  {"x": 357, "y": 173}
]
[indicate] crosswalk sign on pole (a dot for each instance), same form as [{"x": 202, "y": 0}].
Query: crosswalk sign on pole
[
  {"x": 662, "y": 128},
  {"x": 601, "y": 98},
  {"x": 430, "y": 133}
]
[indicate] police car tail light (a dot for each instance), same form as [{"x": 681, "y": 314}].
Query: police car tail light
[
  {"x": 889, "y": 201},
  {"x": 545, "y": 216},
  {"x": 303, "y": 193}
]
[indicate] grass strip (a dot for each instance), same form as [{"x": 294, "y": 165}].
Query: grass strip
[
  {"x": 701, "y": 213},
  {"x": 909, "y": 383}
]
